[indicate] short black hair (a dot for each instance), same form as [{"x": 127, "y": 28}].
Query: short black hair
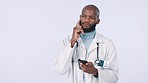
[{"x": 95, "y": 7}]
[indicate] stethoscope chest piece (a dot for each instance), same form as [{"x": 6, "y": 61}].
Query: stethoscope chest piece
[{"x": 99, "y": 63}]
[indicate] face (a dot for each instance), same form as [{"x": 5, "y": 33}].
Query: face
[{"x": 89, "y": 19}]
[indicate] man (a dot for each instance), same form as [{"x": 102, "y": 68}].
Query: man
[{"x": 87, "y": 56}]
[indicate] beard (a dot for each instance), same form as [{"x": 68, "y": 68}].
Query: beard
[{"x": 90, "y": 29}]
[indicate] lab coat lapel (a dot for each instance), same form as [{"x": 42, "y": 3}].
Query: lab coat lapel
[
  {"x": 96, "y": 40},
  {"x": 80, "y": 43},
  {"x": 93, "y": 46}
]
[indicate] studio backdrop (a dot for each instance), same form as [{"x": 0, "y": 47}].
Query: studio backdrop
[{"x": 31, "y": 32}]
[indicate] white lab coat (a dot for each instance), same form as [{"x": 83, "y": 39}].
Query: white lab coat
[{"x": 67, "y": 61}]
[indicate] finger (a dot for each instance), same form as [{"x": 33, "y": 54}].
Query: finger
[
  {"x": 82, "y": 31},
  {"x": 89, "y": 64},
  {"x": 78, "y": 23},
  {"x": 79, "y": 30},
  {"x": 82, "y": 65},
  {"x": 77, "y": 27},
  {"x": 84, "y": 68}
]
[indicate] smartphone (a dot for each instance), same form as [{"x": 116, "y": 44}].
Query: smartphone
[{"x": 81, "y": 61}]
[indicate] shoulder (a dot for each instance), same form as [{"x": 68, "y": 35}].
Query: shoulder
[
  {"x": 66, "y": 40},
  {"x": 107, "y": 42},
  {"x": 104, "y": 39}
]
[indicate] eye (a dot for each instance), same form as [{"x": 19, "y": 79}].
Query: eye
[
  {"x": 83, "y": 16},
  {"x": 92, "y": 17}
]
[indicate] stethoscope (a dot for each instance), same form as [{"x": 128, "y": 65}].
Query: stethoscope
[{"x": 98, "y": 62}]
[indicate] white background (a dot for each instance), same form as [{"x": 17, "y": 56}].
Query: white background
[{"x": 32, "y": 30}]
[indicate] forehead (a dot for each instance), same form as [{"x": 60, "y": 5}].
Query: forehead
[{"x": 89, "y": 12}]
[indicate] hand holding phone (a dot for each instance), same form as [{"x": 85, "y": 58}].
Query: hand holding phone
[{"x": 82, "y": 61}]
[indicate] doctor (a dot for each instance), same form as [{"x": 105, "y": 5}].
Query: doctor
[{"x": 87, "y": 56}]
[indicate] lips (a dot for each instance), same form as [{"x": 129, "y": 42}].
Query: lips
[{"x": 86, "y": 25}]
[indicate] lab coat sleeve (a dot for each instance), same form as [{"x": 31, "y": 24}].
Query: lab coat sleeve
[
  {"x": 64, "y": 60},
  {"x": 110, "y": 73}
]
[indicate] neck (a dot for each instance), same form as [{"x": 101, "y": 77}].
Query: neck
[{"x": 88, "y": 35}]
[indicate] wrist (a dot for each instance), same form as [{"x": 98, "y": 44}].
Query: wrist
[
  {"x": 72, "y": 41},
  {"x": 95, "y": 73}
]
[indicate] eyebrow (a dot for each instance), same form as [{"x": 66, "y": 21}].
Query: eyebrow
[{"x": 90, "y": 16}]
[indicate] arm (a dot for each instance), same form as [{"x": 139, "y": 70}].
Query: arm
[
  {"x": 64, "y": 60},
  {"x": 67, "y": 50}
]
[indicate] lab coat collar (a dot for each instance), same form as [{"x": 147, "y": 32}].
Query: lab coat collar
[
  {"x": 96, "y": 40},
  {"x": 93, "y": 45}
]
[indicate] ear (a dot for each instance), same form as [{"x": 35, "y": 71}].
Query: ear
[{"x": 98, "y": 21}]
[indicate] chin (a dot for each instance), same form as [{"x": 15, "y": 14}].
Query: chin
[{"x": 85, "y": 27}]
